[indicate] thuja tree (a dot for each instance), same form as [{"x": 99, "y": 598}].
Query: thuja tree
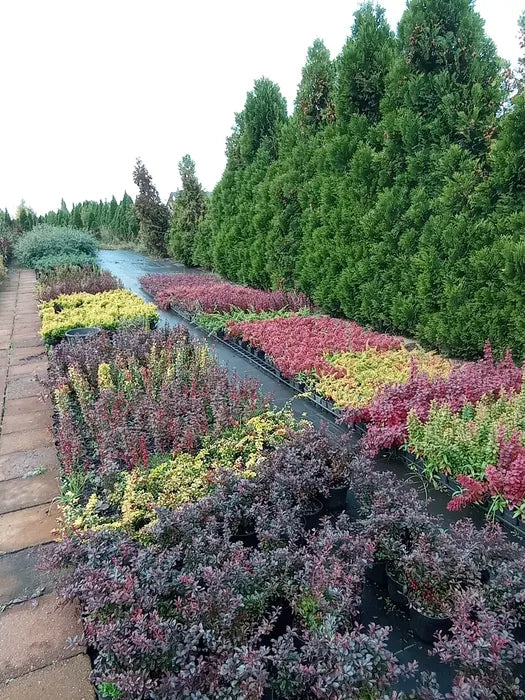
[
  {"x": 251, "y": 148},
  {"x": 484, "y": 299},
  {"x": 393, "y": 194},
  {"x": 25, "y": 217},
  {"x": 152, "y": 214},
  {"x": 419, "y": 163},
  {"x": 345, "y": 170},
  {"x": 280, "y": 199},
  {"x": 188, "y": 211},
  {"x": 363, "y": 65}
]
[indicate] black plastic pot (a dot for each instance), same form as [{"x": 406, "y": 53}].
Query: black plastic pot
[
  {"x": 396, "y": 590},
  {"x": 284, "y": 620},
  {"x": 260, "y": 354},
  {"x": 336, "y": 501},
  {"x": 352, "y": 505},
  {"x": 376, "y": 573},
  {"x": 484, "y": 575},
  {"x": 78, "y": 335},
  {"x": 312, "y": 516},
  {"x": 425, "y": 627},
  {"x": 519, "y": 632},
  {"x": 220, "y": 333},
  {"x": 360, "y": 427},
  {"x": 248, "y": 539}
]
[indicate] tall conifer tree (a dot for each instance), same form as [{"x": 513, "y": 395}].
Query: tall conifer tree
[{"x": 152, "y": 214}]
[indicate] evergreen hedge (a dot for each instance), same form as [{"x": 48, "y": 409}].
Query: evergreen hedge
[{"x": 394, "y": 193}]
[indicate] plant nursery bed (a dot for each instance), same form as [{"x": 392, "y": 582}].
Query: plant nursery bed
[
  {"x": 259, "y": 358},
  {"x": 221, "y": 547}
]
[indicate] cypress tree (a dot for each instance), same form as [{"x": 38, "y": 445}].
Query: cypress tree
[
  {"x": 76, "y": 216},
  {"x": 250, "y": 149},
  {"x": 152, "y": 214},
  {"x": 314, "y": 103},
  {"x": 188, "y": 210},
  {"x": 363, "y": 64}
]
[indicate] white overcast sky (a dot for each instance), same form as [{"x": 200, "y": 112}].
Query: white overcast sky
[{"x": 87, "y": 86}]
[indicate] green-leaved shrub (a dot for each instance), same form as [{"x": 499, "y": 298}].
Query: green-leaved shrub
[
  {"x": 61, "y": 260},
  {"x": 46, "y": 247}
]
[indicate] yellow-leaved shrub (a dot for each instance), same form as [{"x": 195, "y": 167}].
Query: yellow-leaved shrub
[{"x": 107, "y": 310}]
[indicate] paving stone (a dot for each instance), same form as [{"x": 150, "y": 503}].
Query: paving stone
[
  {"x": 21, "y": 316},
  {"x": 34, "y": 635},
  {"x": 16, "y": 494},
  {"x": 18, "y": 464},
  {"x": 23, "y": 334},
  {"x": 64, "y": 680},
  {"x": 24, "y": 355},
  {"x": 27, "y": 421},
  {"x": 29, "y": 342},
  {"x": 23, "y": 387},
  {"x": 18, "y": 407},
  {"x": 38, "y": 367},
  {"x": 27, "y": 527},
  {"x": 27, "y": 328},
  {"x": 21, "y": 577},
  {"x": 21, "y": 441}
]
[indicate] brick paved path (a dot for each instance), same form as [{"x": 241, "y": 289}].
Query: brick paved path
[{"x": 35, "y": 661}]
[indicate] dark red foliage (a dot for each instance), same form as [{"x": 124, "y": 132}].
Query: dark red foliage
[
  {"x": 72, "y": 280},
  {"x": 208, "y": 293},
  {"x": 157, "y": 404}
]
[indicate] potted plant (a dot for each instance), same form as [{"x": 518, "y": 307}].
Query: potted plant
[
  {"x": 482, "y": 649},
  {"x": 330, "y": 580},
  {"x": 351, "y": 665},
  {"x": 505, "y": 590},
  {"x": 397, "y": 516},
  {"x": 437, "y": 568}
]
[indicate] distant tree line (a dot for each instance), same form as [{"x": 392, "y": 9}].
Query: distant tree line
[{"x": 117, "y": 220}]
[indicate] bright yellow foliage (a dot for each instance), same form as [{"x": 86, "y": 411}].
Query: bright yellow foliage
[
  {"x": 185, "y": 478},
  {"x": 361, "y": 375},
  {"x": 107, "y": 310}
]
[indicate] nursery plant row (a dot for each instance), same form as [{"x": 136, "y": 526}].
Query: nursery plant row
[
  {"x": 101, "y": 302},
  {"x": 459, "y": 424},
  {"x": 219, "y": 549}
]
